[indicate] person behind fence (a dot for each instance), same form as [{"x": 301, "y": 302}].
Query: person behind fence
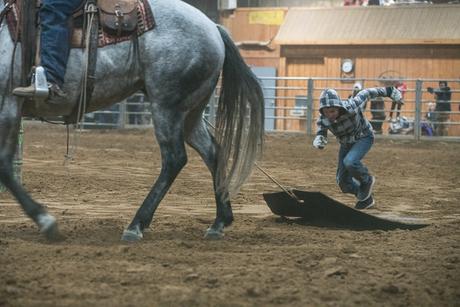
[
  {"x": 427, "y": 123},
  {"x": 402, "y": 87},
  {"x": 54, "y": 46},
  {"x": 345, "y": 119},
  {"x": 357, "y": 87},
  {"x": 378, "y": 114},
  {"x": 443, "y": 96}
]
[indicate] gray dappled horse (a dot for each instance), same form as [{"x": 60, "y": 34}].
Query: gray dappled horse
[{"x": 177, "y": 65}]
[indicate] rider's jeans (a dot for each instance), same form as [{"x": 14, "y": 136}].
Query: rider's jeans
[
  {"x": 55, "y": 37},
  {"x": 351, "y": 172}
]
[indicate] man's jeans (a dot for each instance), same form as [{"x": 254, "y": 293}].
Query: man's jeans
[
  {"x": 55, "y": 37},
  {"x": 350, "y": 171}
]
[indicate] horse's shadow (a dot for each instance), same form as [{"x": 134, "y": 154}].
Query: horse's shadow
[
  {"x": 104, "y": 232},
  {"x": 74, "y": 232}
]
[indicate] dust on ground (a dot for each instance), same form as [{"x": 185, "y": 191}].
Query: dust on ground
[{"x": 262, "y": 261}]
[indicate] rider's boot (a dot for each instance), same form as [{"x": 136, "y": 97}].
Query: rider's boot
[
  {"x": 28, "y": 91},
  {"x": 55, "y": 92}
]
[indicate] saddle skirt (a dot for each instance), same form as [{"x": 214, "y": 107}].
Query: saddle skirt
[{"x": 110, "y": 12}]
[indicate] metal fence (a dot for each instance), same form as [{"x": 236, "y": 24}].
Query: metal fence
[
  {"x": 291, "y": 104},
  {"x": 133, "y": 112}
]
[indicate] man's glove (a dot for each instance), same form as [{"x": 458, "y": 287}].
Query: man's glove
[
  {"x": 395, "y": 94},
  {"x": 319, "y": 142}
]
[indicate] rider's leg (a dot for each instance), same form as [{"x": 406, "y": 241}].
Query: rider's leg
[
  {"x": 54, "y": 44},
  {"x": 55, "y": 37}
]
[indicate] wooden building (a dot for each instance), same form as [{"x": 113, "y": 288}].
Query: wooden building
[{"x": 415, "y": 41}]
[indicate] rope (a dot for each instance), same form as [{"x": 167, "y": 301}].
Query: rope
[{"x": 91, "y": 11}]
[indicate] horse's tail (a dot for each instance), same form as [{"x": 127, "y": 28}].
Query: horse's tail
[{"x": 239, "y": 122}]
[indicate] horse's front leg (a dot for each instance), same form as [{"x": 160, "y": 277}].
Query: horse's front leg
[
  {"x": 9, "y": 131},
  {"x": 169, "y": 133}
]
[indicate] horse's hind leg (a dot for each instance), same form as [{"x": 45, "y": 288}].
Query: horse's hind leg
[
  {"x": 8, "y": 139},
  {"x": 203, "y": 142},
  {"x": 169, "y": 131}
]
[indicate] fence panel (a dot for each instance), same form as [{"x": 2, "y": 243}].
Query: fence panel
[{"x": 134, "y": 112}]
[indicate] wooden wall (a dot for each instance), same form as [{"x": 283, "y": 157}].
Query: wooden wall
[
  {"x": 428, "y": 61},
  {"x": 245, "y": 29}
]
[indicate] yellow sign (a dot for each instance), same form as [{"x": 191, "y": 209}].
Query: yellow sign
[{"x": 266, "y": 17}]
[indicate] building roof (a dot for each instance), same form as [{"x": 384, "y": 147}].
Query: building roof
[{"x": 411, "y": 24}]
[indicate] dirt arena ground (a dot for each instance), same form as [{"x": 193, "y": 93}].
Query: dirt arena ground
[{"x": 262, "y": 261}]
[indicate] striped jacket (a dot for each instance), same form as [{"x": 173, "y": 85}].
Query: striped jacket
[{"x": 351, "y": 124}]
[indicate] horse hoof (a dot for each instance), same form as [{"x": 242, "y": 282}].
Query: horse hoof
[
  {"x": 131, "y": 235},
  {"x": 48, "y": 227},
  {"x": 212, "y": 234},
  {"x": 52, "y": 234}
]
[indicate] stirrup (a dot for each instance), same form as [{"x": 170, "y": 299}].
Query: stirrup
[
  {"x": 38, "y": 89},
  {"x": 40, "y": 82}
]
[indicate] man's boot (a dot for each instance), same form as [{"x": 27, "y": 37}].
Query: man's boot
[
  {"x": 55, "y": 95},
  {"x": 28, "y": 91}
]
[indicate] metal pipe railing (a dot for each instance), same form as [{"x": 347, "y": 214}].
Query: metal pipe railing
[{"x": 295, "y": 106}]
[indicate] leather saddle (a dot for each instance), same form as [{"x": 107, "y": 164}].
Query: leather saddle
[{"x": 119, "y": 20}]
